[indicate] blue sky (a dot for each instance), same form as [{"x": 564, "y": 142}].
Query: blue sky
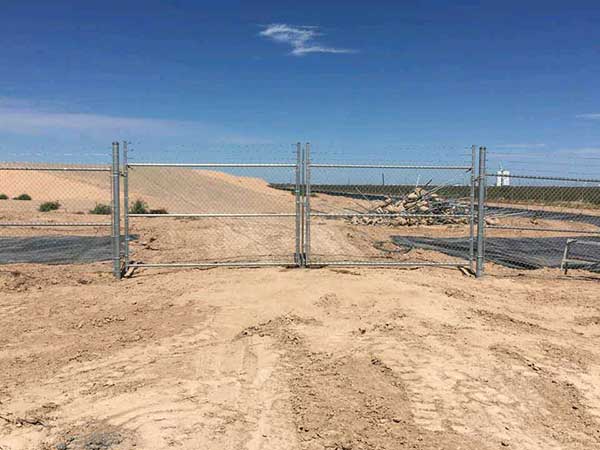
[{"x": 193, "y": 80}]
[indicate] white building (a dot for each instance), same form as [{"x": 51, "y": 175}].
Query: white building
[{"x": 503, "y": 178}]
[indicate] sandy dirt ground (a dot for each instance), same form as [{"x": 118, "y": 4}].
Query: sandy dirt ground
[
  {"x": 275, "y": 358},
  {"x": 297, "y": 359}
]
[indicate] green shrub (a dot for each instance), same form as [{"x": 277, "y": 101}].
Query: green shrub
[
  {"x": 3, "y": 197},
  {"x": 49, "y": 206},
  {"x": 23, "y": 197},
  {"x": 139, "y": 207},
  {"x": 101, "y": 209}
]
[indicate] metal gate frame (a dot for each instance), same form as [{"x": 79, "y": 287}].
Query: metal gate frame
[
  {"x": 303, "y": 213},
  {"x": 474, "y": 180},
  {"x": 298, "y": 260}
]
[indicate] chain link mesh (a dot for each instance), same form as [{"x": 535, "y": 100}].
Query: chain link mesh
[
  {"x": 542, "y": 219},
  {"x": 55, "y": 213},
  {"x": 206, "y": 215},
  {"x": 388, "y": 214},
  {"x": 536, "y": 216}
]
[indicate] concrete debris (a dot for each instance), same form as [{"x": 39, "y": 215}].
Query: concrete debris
[{"x": 420, "y": 207}]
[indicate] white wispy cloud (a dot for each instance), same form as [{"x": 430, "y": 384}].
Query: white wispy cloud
[
  {"x": 592, "y": 116},
  {"x": 302, "y": 39},
  {"x": 35, "y": 122},
  {"x": 24, "y": 118}
]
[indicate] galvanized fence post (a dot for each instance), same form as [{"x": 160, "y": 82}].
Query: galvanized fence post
[
  {"x": 307, "y": 203},
  {"x": 116, "y": 217},
  {"x": 472, "y": 209},
  {"x": 299, "y": 217},
  {"x": 126, "y": 206},
  {"x": 481, "y": 214}
]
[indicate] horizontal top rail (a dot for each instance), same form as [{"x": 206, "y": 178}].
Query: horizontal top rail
[
  {"x": 55, "y": 224},
  {"x": 58, "y": 169},
  {"x": 142, "y": 164},
  {"x": 541, "y": 177},
  {"x": 386, "y": 166}
]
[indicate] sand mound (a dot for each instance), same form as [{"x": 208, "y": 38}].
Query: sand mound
[
  {"x": 74, "y": 192},
  {"x": 183, "y": 190},
  {"x": 179, "y": 190}
]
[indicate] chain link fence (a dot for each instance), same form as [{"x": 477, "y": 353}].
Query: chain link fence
[
  {"x": 303, "y": 210},
  {"x": 537, "y": 220},
  {"x": 55, "y": 213}
]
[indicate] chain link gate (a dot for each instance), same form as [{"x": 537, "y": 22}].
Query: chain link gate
[
  {"x": 365, "y": 223},
  {"x": 211, "y": 214},
  {"x": 207, "y": 224}
]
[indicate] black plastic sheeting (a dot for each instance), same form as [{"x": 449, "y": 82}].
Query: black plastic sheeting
[
  {"x": 517, "y": 253},
  {"x": 549, "y": 215},
  {"x": 55, "y": 249}
]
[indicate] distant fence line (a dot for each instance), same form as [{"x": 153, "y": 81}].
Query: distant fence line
[{"x": 538, "y": 193}]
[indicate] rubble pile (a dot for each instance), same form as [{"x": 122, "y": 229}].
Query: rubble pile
[{"x": 416, "y": 208}]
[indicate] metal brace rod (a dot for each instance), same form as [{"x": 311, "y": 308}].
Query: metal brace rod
[
  {"x": 209, "y": 215},
  {"x": 385, "y": 215},
  {"x": 212, "y": 264},
  {"x": 274, "y": 165},
  {"x": 386, "y": 264},
  {"x": 564, "y": 264}
]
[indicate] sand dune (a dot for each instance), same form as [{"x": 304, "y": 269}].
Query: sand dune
[
  {"x": 178, "y": 190},
  {"x": 181, "y": 190},
  {"x": 74, "y": 192}
]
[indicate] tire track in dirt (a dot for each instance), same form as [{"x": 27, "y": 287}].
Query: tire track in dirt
[
  {"x": 351, "y": 401},
  {"x": 223, "y": 396},
  {"x": 556, "y": 405},
  {"x": 391, "y": 362},
  {"x": 470, "y": 390},
  {"x": 195, "y": 389}
]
